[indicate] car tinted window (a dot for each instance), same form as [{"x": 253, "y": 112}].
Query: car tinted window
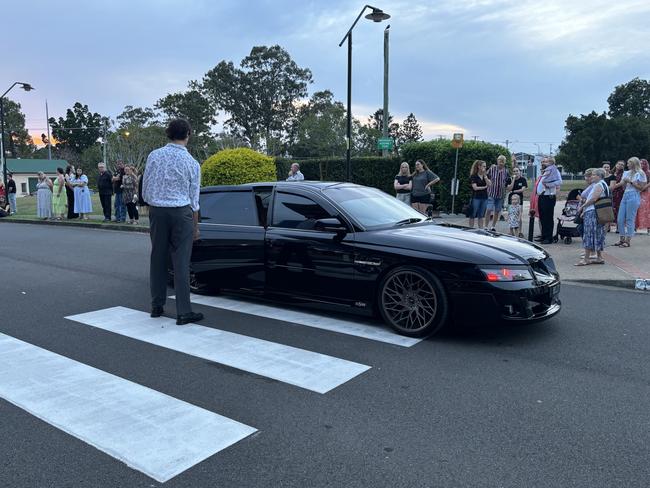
[
  {"x": 297, "y": 212},
  {"x": 228, "y": 207}
]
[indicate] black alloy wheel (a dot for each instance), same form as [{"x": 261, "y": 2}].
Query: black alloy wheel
[{"x": 413, "y": 301}]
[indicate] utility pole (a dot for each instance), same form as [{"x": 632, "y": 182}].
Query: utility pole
[
  {"x": 550, "y": 149},
  {"x": 384, "y": 152},
  {"x": 49, "y": 144},
  {"x": 105, "y": 137},
  {"x": 475, "y": 138},
  {"x": 507, "y": 144}
]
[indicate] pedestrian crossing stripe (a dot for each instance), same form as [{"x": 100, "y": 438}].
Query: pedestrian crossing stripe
[
  {"x": 310, "y": 370},
  {"x": 151, "y": 432},
  {"x": 372, "y": 331}
]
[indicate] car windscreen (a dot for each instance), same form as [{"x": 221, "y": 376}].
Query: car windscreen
[{"x": 372, "y": 208}]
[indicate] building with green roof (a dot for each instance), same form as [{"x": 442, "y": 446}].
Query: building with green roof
[{"x": 26, "y": 171}]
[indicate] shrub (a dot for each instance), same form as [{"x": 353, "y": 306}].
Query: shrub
[
  {"x": 237, "y": 166},
  {"x": 440, "y": 156},
  {"x": 372, "y": 171}
]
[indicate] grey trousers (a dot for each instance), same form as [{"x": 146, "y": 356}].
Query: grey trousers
[{"x": 171, "y": 231}]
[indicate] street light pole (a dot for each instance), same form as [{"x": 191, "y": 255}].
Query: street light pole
[
  {"x": 385, "y": 124},
  {"x": 3, "y": 160},
  {"x": 377, "y": 15}
]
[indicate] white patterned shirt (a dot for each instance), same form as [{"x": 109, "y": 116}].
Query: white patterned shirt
[{"x": 172, "y": 178}]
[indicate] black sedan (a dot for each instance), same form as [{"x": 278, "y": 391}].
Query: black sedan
[{"x": 350, "y": 247}]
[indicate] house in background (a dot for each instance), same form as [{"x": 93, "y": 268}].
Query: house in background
[{"x": 25, "y": 172}]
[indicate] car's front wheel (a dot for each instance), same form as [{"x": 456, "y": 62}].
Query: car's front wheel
[{"x": 413, "y": 301}]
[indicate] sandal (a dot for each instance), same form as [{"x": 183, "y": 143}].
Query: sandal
[
  {"x": 582, "y": 262},
  {"x": 624, "y": 244},
  {"x": 597, "y": 261},
  {"x": 619, "y": 243}
]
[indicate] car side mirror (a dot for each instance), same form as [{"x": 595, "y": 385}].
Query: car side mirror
[{"x": 331, "y": 225}]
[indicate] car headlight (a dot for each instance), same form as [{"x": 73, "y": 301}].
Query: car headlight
[{"x": 506, "y": 273}]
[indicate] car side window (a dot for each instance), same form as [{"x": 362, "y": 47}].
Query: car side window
[
  {"x": 228, "y": 207},
  {"x": 297, "y": 212}
]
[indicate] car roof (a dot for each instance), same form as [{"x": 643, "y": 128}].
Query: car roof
[{"x": 311, "y": 185}]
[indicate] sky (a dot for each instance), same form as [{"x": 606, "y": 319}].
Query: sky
[{"x": 494, "y": 70}]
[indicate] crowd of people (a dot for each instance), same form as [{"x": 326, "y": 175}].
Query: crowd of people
[
  {"x": 68, "y": 195},
  {"x": 628, "y": 185},
  {"x": 629, "y": 190}
]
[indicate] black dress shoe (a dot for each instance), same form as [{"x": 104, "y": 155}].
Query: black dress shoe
[
  {"x": 546, "y": 242},
  {"x": 157, "y": 311},
  {"x": 538, "y": 238},
  {"x": 189, "y": 318}
]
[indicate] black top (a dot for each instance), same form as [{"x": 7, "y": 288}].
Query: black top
[
  {"x": 11, "y": 186},
  {"x": 478, "y": 194},
  {"x": 403, "y": 180},
  {"x": 609, "y": 179},
  {"x": 104, "y": 183},
  {"x": 117, "y": 185},
  {"x": 520, "y": 183}
]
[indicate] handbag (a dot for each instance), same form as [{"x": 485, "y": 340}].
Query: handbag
[{"x": 604, "y": 209}]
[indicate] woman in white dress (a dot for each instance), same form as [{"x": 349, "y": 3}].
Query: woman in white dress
[
  {"x": 82, "y": 203},
  {"x": 43, "y": 197}
]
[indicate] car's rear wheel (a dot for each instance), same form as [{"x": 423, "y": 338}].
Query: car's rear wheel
[{"x": 413, "y": 301}]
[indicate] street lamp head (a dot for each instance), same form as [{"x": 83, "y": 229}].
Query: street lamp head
[
  {"x": 26, "y": 86},
  {"x": 377, "y": 15}
]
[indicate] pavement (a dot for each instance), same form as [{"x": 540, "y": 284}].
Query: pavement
[
  {"x": 623, "y": 268},
  {"x": 563, "y": 403}
]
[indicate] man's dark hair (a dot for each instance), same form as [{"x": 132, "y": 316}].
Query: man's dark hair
[
  {"x": 178, "y": 129},
  {"x": 10, "y": 175},
  {"x": 59, "y": 170}
]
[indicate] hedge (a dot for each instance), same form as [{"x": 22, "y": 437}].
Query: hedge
[
  {"x": 372, "y": 171},
  {"x": 380, "y": 172},
  {"x": 440, "y": 156},
  {"x": 237, "y": 166}
]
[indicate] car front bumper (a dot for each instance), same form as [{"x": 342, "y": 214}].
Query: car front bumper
[{"x": 513, "y": 302}]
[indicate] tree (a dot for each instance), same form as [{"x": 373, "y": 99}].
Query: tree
[
  {"x": 319, "y": 127},
  {"x": 79, "y": 130},
  {"x": 199, "y": 112},
  {"x": 409, "y": 131},
  {"x": 594, "y": 138},
  {"x": 18, "y": 142},
  {"x": 136, "y": 117},
  {"x": 631, "y": 99},
  {"x": 134, "y": 144},
  {"x": 366, "y": 136},
  {"x": 259, "y": 96}
]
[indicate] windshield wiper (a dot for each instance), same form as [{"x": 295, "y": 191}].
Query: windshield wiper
[{"x": 410, "y": 220}]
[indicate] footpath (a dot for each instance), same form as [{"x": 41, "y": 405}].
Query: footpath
[{"x": 623, "y": 267}]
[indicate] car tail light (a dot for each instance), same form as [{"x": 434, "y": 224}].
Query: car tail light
[{"x": 507, "y": 273}]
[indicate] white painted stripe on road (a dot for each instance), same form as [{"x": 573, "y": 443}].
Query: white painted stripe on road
[
  {"x": 310, "y": 370},
  {"x": 151, "y": 432},
  {"x": 375, "y": 332}
]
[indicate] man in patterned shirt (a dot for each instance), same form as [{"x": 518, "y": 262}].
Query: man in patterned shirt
[{"x": 171, "y": 185}]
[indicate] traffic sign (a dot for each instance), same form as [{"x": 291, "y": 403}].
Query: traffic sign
[
  {"x": 385, "y": 143},
  {"x": 457, "y": 140}
]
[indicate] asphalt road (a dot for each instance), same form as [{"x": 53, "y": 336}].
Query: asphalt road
[{"x": 563, "y": 403}]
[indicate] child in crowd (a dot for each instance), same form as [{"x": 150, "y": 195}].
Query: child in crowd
[{"x": 514, "y": 215}]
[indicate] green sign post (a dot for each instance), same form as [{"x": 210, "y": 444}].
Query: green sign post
[{"x": 385, "y": 143}]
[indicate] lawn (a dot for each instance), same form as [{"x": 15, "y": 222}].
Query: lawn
[{"x": 27, "y": 210}]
